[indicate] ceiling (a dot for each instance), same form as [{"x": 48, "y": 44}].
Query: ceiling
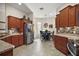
[
  {"x": 48, "y": 11},
  {"x": 21, "y": 7}
]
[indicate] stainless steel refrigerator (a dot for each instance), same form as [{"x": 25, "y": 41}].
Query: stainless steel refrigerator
[{"x": 28, "y": 34}]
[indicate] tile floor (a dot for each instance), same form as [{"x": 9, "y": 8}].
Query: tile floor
[{"x": 37, "y": 48}]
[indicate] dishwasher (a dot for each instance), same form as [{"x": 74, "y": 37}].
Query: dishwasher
[{"x": 73, "y": 47}]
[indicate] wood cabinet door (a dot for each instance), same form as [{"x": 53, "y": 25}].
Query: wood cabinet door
[
  {"x": 61, "y": 44},
  {"x": 18, "y": 23},
  {"x": 77, "y": 15},
  {"x": 64, "y": 17},
  {"x": 21, "y": 26},
  {"x": 57, "y": 21},
  {"x": 72, "y": 16},
  {"x": 8, "y": 40},
  {"x": 20, "y": 40},
  {"x": 13, "y": 22},
  {"x": 61, "y": 19},
  {"x": 15, "y": 40}
]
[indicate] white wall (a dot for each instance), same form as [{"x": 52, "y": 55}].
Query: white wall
[
  {"x": 43, "y": 20},
  {"x": 14, "y": 12},
  {"x": 30, "y": 16},
  {"x": 2, "y": 12},
  {"x": 2, "y": 17}
]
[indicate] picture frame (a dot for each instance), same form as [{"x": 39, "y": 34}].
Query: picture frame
[
  {"x": 45, "y": 25},
  {"x": 50, "y": 26}
]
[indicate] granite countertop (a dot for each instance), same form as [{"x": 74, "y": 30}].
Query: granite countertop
[
  {"x": 69, "y": 36},
  {"x": 10, "y": 35},
  {"x": 5, "y": 46}
]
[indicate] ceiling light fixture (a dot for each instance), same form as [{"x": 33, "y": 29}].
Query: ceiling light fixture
[
  {"x": 41, "y": 8},
  {"x": 50, "y": 14},
  {"x": 45, "y": 15},
  {"x": 19, "y": 3}
]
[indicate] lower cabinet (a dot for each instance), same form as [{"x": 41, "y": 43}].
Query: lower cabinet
[
  {"x": 8, "y": 39},
  {"x": 20, "y": 40},
  {"x": 61, "y": 44},
  {"x": 8, "y": 52},
  {"x": 16, "y": 40}
]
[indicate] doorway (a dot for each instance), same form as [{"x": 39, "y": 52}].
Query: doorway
[{"x": 39, "y": 28}]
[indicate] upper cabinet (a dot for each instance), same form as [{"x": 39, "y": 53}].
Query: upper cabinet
[
  {"x": 57, "y": 22},
  {"x": 69, "y": 16},
  {"x": 64, "y": 15},
  {"x": 77, "y": 14},
  {"x": 14, "y": 22},
  {"x": 74, "y": 15},
  {"x": 72, "y": 20},
  {"x": 61, "y": 20},
  {"x": 21, "y": 25}
]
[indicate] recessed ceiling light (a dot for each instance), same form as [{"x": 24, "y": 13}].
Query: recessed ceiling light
[
  {"x": 50, "y": 14},
  {"x": 19, "y": 3},
  {"x": 41, "y": 8},
  {"x": 45, "y": 15}
]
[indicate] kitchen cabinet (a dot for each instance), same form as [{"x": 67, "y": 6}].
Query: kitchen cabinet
[
  {"x": 69, "y": 16},
  {"x": 61, "y": 20},
  {"x": 61, "y": 44},
  {"x": 10, "y": 22},
  {"x": 21, "y": 26},
  {"x": 8, "y": 52},
  {"x": 13, "y": 22},
  {"x": 57, "y": 21},
  {"x": 20, "y": 40},
  {"x": 17, "y": 23},
  {"x": 8, "y": 39},
  {"x": 72, "y": 20},
  {"x": 77, "y": 14},
  {"x": 74, "y": 15},
  {"x": 64, "y": 17},
  {"x": 15, "y": 40}
]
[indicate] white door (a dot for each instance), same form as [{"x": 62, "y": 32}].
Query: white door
[{"x": 39, "y": 27}]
